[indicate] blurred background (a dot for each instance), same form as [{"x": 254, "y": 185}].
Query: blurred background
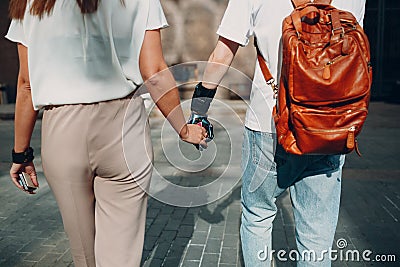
[{"x": 192, "y": 37}]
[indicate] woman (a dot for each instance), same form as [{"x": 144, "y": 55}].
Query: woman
[{"x": 81, "y": 61}]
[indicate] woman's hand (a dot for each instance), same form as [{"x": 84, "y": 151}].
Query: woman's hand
[
  {"x": 28, "y": 168},
  {"x": 194, "y": 134}
]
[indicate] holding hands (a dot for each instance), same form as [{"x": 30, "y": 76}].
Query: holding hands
[
  {"x": 201, "y": 101},
  {"x": 194, "y": 134},
  {"x": 202, "y": 121}
]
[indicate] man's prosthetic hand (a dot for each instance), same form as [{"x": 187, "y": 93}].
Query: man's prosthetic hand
[
  {"x": 203, "y": 122},
  {"x": 201, "y": 101}
]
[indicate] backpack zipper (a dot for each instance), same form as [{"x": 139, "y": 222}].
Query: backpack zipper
[
  {"x": 315, "y": 130},
  {"x": 351, "y": 141},
  {"x": 326, "y": 74},
  {"x": 319, "y": 112},
  {"x": 351, "y": 138}
]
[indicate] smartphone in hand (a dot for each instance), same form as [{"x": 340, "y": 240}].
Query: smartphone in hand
[{"x": 25, "y": 181}]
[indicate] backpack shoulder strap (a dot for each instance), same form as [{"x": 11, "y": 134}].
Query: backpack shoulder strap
[
  {"x": 298, "y": 3},
  {"x": 265, "y": 71}
]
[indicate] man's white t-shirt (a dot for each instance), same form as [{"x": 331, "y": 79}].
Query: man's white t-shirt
[
  {"x": 263, "y": 19},
  {"x": 86, "y": 58}
]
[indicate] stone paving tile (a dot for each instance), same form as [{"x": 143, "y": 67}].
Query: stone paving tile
[
  {"x": 228, "y": 256},
  {"x": 51, "y": 259},
  {"x": 172, "y": 261},
  {"x": 185, "y": 231},
  {"x": 199, "y": 238},
  {"x": 38, "y": 253},
  {"x": 202, "y": 226},
  {"x": 216, "y": 232},
  {"x": 194, "y": 253},
  {"x": 176, "y": 251},
  {"x": 161, "y": 250},
  {"x": 16, "y": 262},
  {"x": 33, "y": 244},
  {"x": 65, "y": 260},
  {"x": 213, "y": 246},
  {"x": 231, "y": 240},
  {"x": 153, "y": 263},
  {"x": 9, "y": 251},
  {"x": 279, "y": 239},
  {"x": 191, "y": 264},
  {"x": 210, "y": 260},
  {"x": 61, "y": 247}
]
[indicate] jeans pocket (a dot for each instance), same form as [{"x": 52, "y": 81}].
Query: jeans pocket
[{"x": 263, "y": 147}]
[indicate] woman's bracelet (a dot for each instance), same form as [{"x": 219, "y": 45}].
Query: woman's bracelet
[{"x": 23, "y": 157}]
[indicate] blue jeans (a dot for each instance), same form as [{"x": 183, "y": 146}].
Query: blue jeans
[{"x": 314, "y": 182}]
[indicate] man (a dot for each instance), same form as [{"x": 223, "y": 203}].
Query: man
[{"x": 314, "y": 181}]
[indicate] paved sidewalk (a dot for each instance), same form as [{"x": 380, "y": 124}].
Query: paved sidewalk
[{"x": 31, "y": 232}]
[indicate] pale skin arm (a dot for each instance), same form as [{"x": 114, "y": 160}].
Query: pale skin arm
[
  {"x": 218, "y": 63},
  {"x": 25, "y": 118},
  {"x": 162, "y": 87}
]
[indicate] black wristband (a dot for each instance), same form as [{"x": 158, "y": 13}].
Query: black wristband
[
  {"x": 23, "y": 157},
  {"x": 201, "y": 99}
]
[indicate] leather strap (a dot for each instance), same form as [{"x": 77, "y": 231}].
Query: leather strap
[
  {"x": 337, "y": 28},
  {"x": 264, "y": 68},
  {"x": 298, "y": 3},
  {"x": 336, "y": 20},
  {"x": 296, "y": 20},
  {"x": 298, "y": 16},
  {"x": 265, "y": 71}
]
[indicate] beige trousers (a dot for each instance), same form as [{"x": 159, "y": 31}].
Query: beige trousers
[{"x": 102, "y": 203}]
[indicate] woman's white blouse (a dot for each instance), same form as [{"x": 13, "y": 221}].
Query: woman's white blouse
[{"x": 85, "y": 58}]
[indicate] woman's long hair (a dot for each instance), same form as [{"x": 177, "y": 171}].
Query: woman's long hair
[{"x": 44, "y": 7}]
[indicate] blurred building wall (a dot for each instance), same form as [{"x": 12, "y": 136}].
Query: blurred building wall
[
  {"x": 382, "y": 25},
  {"x": 8, "y": 55},
  {"x": 192, "y": 37}
]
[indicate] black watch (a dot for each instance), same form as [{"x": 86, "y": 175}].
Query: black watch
[{"x": 23, "y": 157}]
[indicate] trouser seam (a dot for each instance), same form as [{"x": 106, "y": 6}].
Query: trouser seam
[{"x": 84, "y": 249}]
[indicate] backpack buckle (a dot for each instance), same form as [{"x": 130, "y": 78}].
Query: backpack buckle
[{"x": 341, "y": 29}]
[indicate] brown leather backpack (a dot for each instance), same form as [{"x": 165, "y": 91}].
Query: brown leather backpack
[{"x": 325, "y": 81}]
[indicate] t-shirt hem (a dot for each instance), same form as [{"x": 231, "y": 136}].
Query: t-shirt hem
[
  {"x": 232, "y": 36},
  {"x": 157, "y": 27},
  {"x": 16, "y": 40},
  {"x": 257, "y": 128}
]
